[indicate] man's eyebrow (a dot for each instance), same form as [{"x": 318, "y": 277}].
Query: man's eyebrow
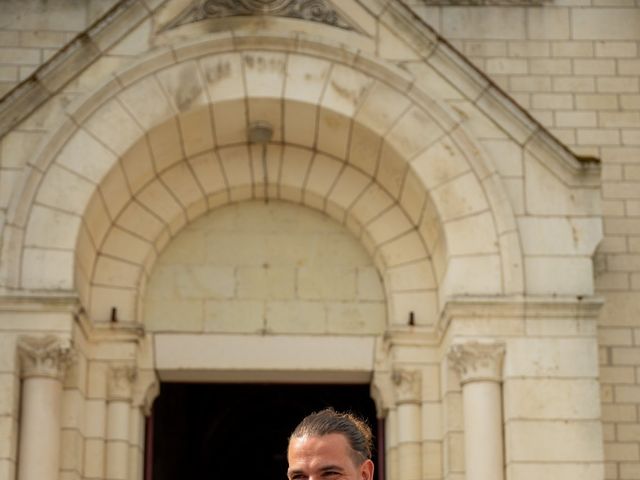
[{"x": 325, "y": 468}]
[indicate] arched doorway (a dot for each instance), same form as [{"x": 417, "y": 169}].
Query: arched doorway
[{"x": 221, "y": 431}]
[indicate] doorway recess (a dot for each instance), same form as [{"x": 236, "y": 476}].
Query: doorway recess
[{"x": 222, "y": 431}]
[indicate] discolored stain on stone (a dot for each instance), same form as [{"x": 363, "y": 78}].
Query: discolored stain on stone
[
  {"x": 332, "y": 121},
  {"x": 448, "y": 148},
  {"x": 463, "y": 116},
  {"x": 353, "y": 96},
  {"x": 221, "y": 71},
  {"x": 262, "y": 64},
  {"x": 575, "y": 234},
  {"x": 188, "y": 91}
]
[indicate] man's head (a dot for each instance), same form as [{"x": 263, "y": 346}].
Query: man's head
[{"x": 328, "y": 444}]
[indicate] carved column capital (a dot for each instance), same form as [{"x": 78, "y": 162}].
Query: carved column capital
[
  {"x": 48, "y": 356},
  {"x": 120, "y": 382},
  {"x": 478, "y": 361},
  {"x": 408, "y": 386}
]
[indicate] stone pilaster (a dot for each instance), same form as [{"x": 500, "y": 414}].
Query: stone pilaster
[
  {"x": 408, "y": 397},
  {"x": 480, "y": 368},
  {"x": 120, "y": 383},
  {"x": 43, "y": 363}
]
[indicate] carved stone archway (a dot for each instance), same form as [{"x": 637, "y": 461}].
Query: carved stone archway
[{"x": 423, "y": 161}]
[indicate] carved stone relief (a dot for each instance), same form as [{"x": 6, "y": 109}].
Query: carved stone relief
[
  {"x": 145, "y": 390},
  {"x": 382, "y": 392},
  {"x": 120, "y": 382},
  {"x": 311, "y": 10},
  {"x": 408, "y": 386},
  {"x": 522, "y": 3},
  {"x": 476, "y": 361},
  {"x": 47, "y": 356}
]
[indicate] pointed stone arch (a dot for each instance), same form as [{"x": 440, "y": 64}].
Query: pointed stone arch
[{"x": 165, "y": 140}]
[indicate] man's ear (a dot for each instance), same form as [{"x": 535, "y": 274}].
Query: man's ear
[{"x": 366, "y": 470}]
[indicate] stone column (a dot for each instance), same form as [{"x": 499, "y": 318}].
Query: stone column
[
  {"x": 408, "y": 393},
  {"x": 480, "y": 369},
  {"x": 391, "y": 440},
  {"x": 44, "y": 361},
  {"x": 119, "y": 394}
]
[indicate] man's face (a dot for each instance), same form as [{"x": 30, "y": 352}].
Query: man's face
[{"x": 328, "y": 457}]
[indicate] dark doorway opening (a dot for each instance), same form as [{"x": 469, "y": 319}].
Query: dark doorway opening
[{"x": 222, "y": 431}]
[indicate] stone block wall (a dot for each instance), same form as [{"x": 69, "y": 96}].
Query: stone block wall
[
  {"x": 247, "y": 268},
  {"x": 31, "y": 31},
  {"x": 575, "y": 66}
]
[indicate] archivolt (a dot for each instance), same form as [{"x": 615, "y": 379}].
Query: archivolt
[{"x": 165, "y": 141}]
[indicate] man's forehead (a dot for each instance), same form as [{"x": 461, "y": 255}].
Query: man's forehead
[
  {"x": 309, "y": 453},
  {"x": 315, "y": 450},
  {"x": 331, "y": 442},
  {"x": 334, "y": 438}
]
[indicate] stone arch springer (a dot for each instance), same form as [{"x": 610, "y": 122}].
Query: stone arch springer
[{"x": 430, "y": 192}]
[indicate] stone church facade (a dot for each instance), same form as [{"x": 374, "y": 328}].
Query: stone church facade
[{"x": 438, "y": 199}]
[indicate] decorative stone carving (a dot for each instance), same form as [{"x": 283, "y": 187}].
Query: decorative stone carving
[
  {"x": 120, "y": 382},
  {"x": 382, "y": 393},
  {"x": 146, "y": 389},
  {"x": 476, "y": 361},
  {"x": 513, "y": 3},
  {"x": 408, "y": 386},
  {"x": 312, "y": 10},
  {"x": 47, "y": 356}
]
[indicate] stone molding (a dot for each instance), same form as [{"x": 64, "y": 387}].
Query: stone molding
[
  {"x": 120, "y": 382},
  {"x": 310, "y": 10},
  {"x": 382, "y": 393},
  {"x": 477, "y": 361},
  {"x": 586, "y": 309},
  {"x": 47, "y": 356},
  {"x": 145, "y": 390},
  {"x": 408, "y": 386}
]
